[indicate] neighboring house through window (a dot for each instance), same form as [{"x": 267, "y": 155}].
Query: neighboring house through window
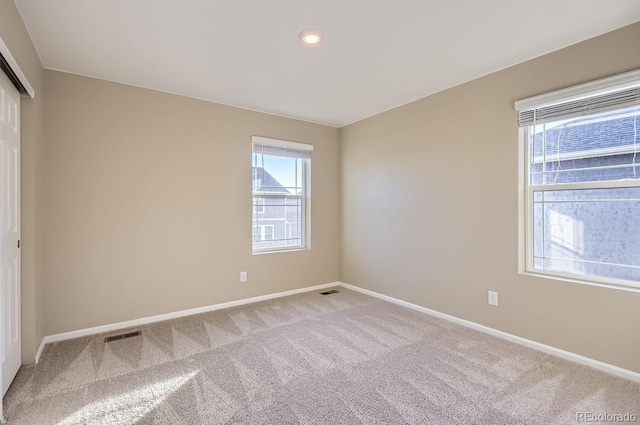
[
  {"x": 280, "y": 188},
  {"x": 580, "y": 168},
  {"x": 258, "y": 205},
  {"x": 263, "y": 232}
]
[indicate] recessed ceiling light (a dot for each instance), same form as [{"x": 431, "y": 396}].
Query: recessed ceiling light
[{"x": 310, "y": 37}]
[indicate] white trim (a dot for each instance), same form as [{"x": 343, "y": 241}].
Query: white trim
[
  {"x": 592, "y": 88},
  {"x": 259, "y": 140},
  {"x": 6, "y": 53},
  {"x": 168, "y": 316},
  {"x": 567, "y": 355},
  {"x": 280, "y": 250},
  {"x": 524, "y": 233},
  {"x": 41, "y": 349}
]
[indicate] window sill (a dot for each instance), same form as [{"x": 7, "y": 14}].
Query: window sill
[
  {"x": 279, "y": 251},
  {"x": 581, "y": 281}
]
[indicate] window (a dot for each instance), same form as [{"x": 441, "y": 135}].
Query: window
[
  {"x": 280, "y": 186},
  {"x": 580, "y": 185},
  {"x": 263, "y": 232},
  {"x": 258, "y": 205}
]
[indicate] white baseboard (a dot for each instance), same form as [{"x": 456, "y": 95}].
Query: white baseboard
[
  {"x": 567, "y": 355},
  {"x": 174, "y": 315},
  {"x": 41, "y": 349}
]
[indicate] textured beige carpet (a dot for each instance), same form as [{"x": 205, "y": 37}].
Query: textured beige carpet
[{"x": 344, "y": 358}]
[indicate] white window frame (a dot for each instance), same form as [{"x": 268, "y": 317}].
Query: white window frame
[
  {"x": 288, "y": 147},
  {"x": 526, "y": 191}
]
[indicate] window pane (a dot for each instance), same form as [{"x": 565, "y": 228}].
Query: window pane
[
  {"x": 538, "y": 242},
  {"x": 281, "y": 220},
  {"x": 588, "y": 232},
  {"x": 591, "y": 148},
  {"x": 277, "y": 174}
]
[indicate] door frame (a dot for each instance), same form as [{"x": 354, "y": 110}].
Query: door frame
[{"x": 15, "y": 74}]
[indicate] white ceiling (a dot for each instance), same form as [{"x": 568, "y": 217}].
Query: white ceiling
[{"x": 376, "y": 54}]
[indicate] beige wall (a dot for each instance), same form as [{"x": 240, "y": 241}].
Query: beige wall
[
  {"x": 15, "y": 36},
  {"x": 429, "y": 208},
  {"x": 149, "y": 204}
]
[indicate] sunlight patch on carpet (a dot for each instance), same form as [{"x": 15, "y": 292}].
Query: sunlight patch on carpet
[{"x": 128, "y": 407}]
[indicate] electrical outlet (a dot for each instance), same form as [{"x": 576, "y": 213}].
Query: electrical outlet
[
  {"x": 243, "y": 276},
  {"x": 493, "y": 298}
]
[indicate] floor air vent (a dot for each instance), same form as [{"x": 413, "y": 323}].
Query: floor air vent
[
  {"x": 333, "y": 291},
  {"x": 122, "y": 336}
]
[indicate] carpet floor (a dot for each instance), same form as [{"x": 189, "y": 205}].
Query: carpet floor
[{"x": 344, "y": 358}]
